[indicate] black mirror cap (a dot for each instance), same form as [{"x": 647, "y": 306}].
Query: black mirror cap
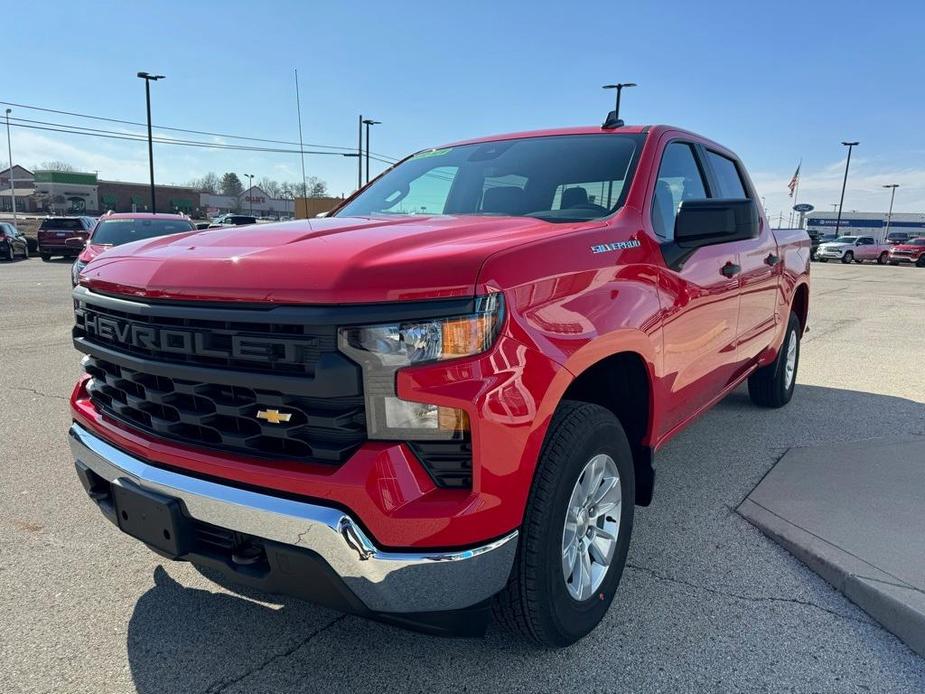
[{"x": 707, "y": 222}]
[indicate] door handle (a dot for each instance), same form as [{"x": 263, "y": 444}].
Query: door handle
[
  {"x": 730, "y": 269},
  {"x": 772, "y": 259}
]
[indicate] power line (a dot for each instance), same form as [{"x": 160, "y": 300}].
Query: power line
[
  {"x": 138, "y": 137},
  {"x": 185, "y": 130}
]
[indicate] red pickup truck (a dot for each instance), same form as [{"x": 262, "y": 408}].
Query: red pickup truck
[{"x": 444, "y": 399}]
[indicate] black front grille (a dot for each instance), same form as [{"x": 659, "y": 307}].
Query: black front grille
[
  {"x": 264, "y": 346},
  {"x": 227, "y": 416}
]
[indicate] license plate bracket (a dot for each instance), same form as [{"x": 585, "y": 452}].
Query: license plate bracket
[{"x": 155, "y": 519}]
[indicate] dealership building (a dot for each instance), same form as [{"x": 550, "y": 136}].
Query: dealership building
[{"x": 866, "y": 223}]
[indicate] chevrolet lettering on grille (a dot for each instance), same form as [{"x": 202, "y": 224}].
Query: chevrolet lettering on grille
[{"x": 179, "y": 341}]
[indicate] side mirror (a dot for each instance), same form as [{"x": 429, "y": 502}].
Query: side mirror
[{"x": 709, "y": 222}]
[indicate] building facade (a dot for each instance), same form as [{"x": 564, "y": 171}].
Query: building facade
[
  {"x": 23, "y": 189},
  {"x": 65, "y": 192},
  {"x": 120, "y": 196},
  {"x": 253, "y": 201},
  {"x": 866, "y": 223}
]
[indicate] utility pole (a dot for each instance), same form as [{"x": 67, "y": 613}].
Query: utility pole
[
  {"x": 841, "y": 203},
  {"x": 360, "y": 152},
  {"x": 367, "y": 122},
  {"x": 9, "y": 149},
  {"x": 889, "y": 216},
  {"x": 148, "y": 79}
]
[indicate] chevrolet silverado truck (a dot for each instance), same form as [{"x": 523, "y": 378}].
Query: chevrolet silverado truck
[
  {"x": 444, "y": 399},
  {"x": 912, "y": 251},
  {"x": 853, "y": 248}
]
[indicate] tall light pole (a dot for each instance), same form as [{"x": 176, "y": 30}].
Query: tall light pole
[
  {"x": 619, "y": 87},
  {"x": 841, "y": 203},
  {"x": 360, "y": 152},
  {"x": 889, "y": 216},
  {"x": 9, "y": 149},
  {"x": 367, "y": 122},
  {"x": 250, "y": 185},
  {"x": 148, "y": 78}
]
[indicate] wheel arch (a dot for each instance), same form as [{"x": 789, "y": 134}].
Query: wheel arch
[
  {"x": 622, "y": 383},
  {"x": 800, "y": 305}
]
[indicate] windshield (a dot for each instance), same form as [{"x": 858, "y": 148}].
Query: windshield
[
  {"x": 559, "y": 179},
  {"x": 917, "y": 242},
  {"x": 68, "y": 224},
  {"x": 115, "y": 232},
  {"x": 845, "y": 239}
]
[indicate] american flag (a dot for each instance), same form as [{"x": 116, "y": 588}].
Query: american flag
[{"x": 795, "y": 181}]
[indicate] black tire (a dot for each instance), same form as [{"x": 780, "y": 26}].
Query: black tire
[
  {"x": 823, "y": 260},
  {"x": 10, "y": 253},
  {"x": 768, "y": 386},
  {"x": 536, "y": 602},
  {"x": 882, "y": 258},
  {"x": 847, "y": 257},
  {"x": 920, "y": 262},
  {"x": 46, "y": 257},
  {"x": 894, "y": 262}
]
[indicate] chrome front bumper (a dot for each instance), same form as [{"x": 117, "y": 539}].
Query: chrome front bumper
[{"x": 386, "y": 582}]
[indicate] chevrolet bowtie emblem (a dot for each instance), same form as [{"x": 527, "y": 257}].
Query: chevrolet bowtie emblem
[{"x": 273, "y": 416}]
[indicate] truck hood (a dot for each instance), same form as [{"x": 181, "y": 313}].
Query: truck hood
[
  {"x": 332, "y": 260},
  {"x": 908, "y": 247}
]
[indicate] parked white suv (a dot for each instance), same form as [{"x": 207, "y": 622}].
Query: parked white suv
[{"x": 856, "y": 248}]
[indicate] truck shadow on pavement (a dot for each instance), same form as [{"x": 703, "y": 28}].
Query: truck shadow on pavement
[{"x": 706, "y": 601}]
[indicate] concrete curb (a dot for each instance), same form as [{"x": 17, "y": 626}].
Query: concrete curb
[{"x": 896, "y": 605}]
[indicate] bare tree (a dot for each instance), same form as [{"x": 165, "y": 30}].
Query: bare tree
[
  {"x": 269, "y": 186},
  {"x": 55, "y": 166},
  {"x": 317, "y": 188},
  {"x": 210, "y": 183}
]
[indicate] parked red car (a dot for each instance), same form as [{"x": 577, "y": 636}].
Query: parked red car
[
  {"x": 64, "y": 236},
  {"x": 447, "y": 395},
  {"x": 117, "y": 228},
  {"x": 912, "y": 251}
]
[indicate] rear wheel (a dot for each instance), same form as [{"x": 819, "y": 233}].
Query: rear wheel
[
  {"x": 847, "y": 257},
  {"x": 883, "y": 257},
  {"x": 46, "y": 257},
  {"x": 823, "y": 260},
  {"x": 773, "y": 385},
  {"x": 576, "y": 529}
]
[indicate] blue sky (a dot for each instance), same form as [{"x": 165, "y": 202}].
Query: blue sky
[{"x": 773, "y": 82}]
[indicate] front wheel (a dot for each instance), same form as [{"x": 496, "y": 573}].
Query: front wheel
[
  {"x": 920, "y": 262},
  {"x": 576, "y": 529},
  {"x": 847, "y": 257},
  {"x": 773, "y": 385},
  {"x": 823, "y": 260},
  {"x": 882, "y": 258},
  {"x": 46, "y": 257}
]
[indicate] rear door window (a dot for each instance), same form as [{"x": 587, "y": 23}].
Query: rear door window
[{"x": 728, "y": 179}]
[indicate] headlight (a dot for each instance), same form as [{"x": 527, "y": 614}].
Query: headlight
[
  {"x": 76, "y": 269},
  {"x": 384, "y": 349}
]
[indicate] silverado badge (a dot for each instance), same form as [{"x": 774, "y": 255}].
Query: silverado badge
[{"x": 273, "y": 416}]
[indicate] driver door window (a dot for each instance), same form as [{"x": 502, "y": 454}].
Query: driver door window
[{"x": 679, "y": 179}]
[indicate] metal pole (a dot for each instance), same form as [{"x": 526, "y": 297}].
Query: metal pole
[
  {"x": 360, "y": 152},
  {"x": 889, "y": 216},
  {"x": 298, "y": 102},
  {"x": 619, "y": 90},
  {"x": 841, "y": 202},
  {"x": 367, "y": 150},
  {"x": 9, "y": 149},
  {"x": 150, "y": 142}
]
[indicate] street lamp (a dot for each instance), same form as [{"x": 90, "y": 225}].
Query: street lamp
[
  {"x": 148, "y": 78},
  {"x": 367, "y": 122},
  {"x": 619, "y": 87},
  {"x": 250, "y": 185},
  {"x": 841, "y": 203},
  {"x": 9, "y": 148},
  {"x": 889, "y": 216}
]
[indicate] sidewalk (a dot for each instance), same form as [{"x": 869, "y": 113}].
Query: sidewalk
[{"x": 855, "y": 514}]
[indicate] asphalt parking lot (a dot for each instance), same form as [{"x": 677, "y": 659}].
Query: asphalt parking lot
[{"x": 707, "y": 603}]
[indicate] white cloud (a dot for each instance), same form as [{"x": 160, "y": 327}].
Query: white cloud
[{"x": 864, "y": 191}]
